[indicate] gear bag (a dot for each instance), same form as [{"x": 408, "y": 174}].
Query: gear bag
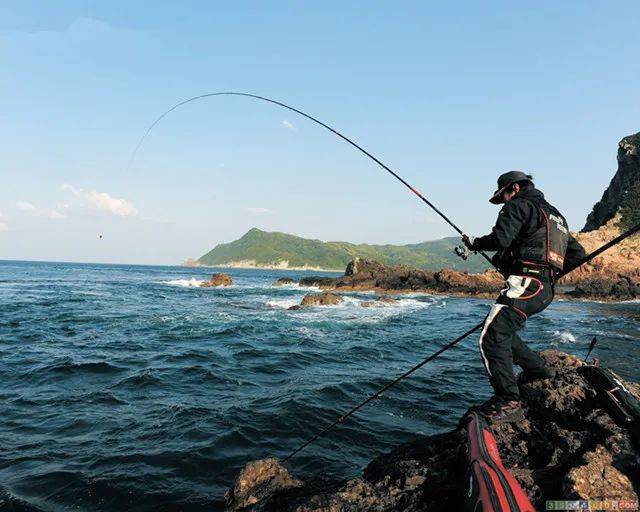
[
  {"x": 621, "y": 404},
  {"x": 491, "y": 487}
]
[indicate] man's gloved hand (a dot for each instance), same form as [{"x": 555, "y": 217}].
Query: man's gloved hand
[{"x": 468, "y": 241}]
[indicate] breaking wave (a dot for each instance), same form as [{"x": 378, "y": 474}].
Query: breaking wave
[
  {"x": 185, "y": 283},
  {"x": 565, "y": 336}
]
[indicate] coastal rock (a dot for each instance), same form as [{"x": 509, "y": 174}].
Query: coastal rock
[
  {"x": 320, "y": 282},
  {"x": 257, "y": 484},
  {"x": 363, "y": 274},
  {"x": 284, "y": 281},
  {"x": 379, "y": 302},
  {"x": 364, "y": 268},
  {"x": 218, "y": 280},
  {"x": 625, "y": 180},
  {"x": 321, "y": 299},
  {"x": 568, "y": 446},
  {"x": 598, "y": 478},
  {"x": 489, "y": 282}
]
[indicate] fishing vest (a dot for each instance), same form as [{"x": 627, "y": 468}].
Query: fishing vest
[{"x": 548, "y": 244}]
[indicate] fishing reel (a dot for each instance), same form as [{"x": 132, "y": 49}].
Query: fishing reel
[{"x": 462, "y": 251}]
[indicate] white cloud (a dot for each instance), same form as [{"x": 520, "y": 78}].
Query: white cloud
[
  {"x": 3, "y": 226},
  {"x": 288, "y": 125},
  {"x": 34, "y": 211},
  {"x": 258, "y": 210},
  {"x": 103, "y": 201},
  {"x": 25, "y": 206}
]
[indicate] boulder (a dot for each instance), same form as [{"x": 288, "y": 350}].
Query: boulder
[
  {"x": 598, "y": 479},
  {"x": 321, "y": 299},
  {"x": 321, "y": 282},
  {"x": 284, "y": 281},
  {"x": 218, "y": 280},
  {"x": 379, "y": 302},
  {"x": 257, "y": 483}
]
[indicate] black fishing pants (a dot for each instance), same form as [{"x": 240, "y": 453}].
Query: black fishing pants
[{"x": 500, "y": 345}]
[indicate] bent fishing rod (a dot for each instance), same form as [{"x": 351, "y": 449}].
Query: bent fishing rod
[
  {"x": 451, "y": 344},
  {"x": 318, "y": 122}
]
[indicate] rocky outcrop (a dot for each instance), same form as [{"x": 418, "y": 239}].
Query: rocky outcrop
[
  {"x": 364, "y": 274},
  {"x": 321, "y": 299},
  {"x": 284, "y": 281},
  {"x": 615, "y": 274},
  {"x": 218, "y": 280},
  {"x": 568, "y": 447},
  {"x": 625, "y": 179},
  {"x": 598, "y": 477},
  {"x": 379, "y": 302}
]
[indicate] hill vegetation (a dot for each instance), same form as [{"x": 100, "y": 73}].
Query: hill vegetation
[{"x": 261, "y": 248}]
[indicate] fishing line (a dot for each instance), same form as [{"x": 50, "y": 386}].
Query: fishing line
[{"x": 317, "y": 121}]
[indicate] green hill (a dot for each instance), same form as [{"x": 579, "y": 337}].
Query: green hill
[{"x": 265, "y": 248}]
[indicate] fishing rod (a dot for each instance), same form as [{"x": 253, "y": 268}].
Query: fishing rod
[
  {"x": 317, "y": 121},
  {"x": 451, "y": 344},
  {"x": 592, "y": 345}
]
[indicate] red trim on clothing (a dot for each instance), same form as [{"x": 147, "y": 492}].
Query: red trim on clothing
[
  {"x": 519, "y": 311},
  {"x": 540, "y": 286}
]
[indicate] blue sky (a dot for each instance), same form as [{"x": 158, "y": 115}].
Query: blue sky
[{"x": 449, "y": 96}]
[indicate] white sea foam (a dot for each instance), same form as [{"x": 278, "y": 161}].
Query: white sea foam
[
  {"x": 283, "y": 303},
  {"x": 351, "y": 310},
  {"x": 296, "y": 286},
  {"x": 185, "y": 283},
  {"x": 565, "y": 336}
]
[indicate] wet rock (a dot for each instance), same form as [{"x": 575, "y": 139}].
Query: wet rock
[
  {"x": 321, "y": 299},
  {"x": 218, "y": 280},
  {"x": 598, "y": 479},
  {"x": 258, "y": 484},
  {"x": 284, "y": 281},
  {"x": 568, "y": 446},
  {"x": 618, "y": 287},
  {"x": 295, "y": 307},
  {"x": 379, "y": 302},
  {"x": 363, "y": 274},
  {"x": 320, "y": 282}
]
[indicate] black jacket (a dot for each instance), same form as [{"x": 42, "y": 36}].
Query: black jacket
[{"x": 519, "y": 219}]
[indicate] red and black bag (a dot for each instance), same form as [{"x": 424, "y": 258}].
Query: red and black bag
[
  {"x": 491, "y": 488},
  {"x": 622, "y": 405}
]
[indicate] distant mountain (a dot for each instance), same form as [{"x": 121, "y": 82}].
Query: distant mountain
[{"x": 259, "y": 248}]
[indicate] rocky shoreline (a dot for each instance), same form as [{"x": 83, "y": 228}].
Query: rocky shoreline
[
  {"x": 568, "y": 447},
  {"x": 368, "y": 275}
]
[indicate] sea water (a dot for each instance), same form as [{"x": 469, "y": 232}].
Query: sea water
[{"x": 132, "y": 388}]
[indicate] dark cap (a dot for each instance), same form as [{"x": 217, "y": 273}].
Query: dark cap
[{"x": 507, "y": 179}]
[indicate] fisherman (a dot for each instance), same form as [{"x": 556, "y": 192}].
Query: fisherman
[{"x": 532, "y": 243}]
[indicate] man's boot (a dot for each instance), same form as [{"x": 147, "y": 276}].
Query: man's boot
[{"x": 544, "y": 372}]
